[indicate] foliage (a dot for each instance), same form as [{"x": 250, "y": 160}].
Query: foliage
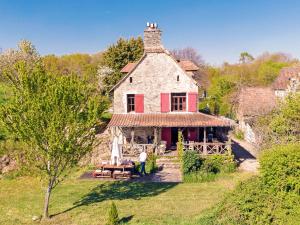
[
  {"x": 281, "y": 125},
  {"x": 239, "y": 134},
  {"x": 199, "y": 169},
  {"x": 118, "y": 55},
  {"x": 191, "y": 162},
  {"x": 219, "y": 164},
  {"x": 55, "y": 116},
  {"x": 280, "y": 168},
  {"x": 151, "y": 161},
  {"x": 180, "y": 146},
  {"x": 245, "y": 57},
  {"x": 272, "y": 198},
  {"x": 113, "y": 217},
  {"x": 226, "y": 81}
]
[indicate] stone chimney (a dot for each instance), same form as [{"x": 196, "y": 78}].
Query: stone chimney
[{"x": 152, "y": 38}]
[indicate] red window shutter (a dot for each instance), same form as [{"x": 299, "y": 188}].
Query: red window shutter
[
  {"x": 139, "y": 103},
  {"x": 193, "y": 102},
  {"x": 165, "y": 102}
]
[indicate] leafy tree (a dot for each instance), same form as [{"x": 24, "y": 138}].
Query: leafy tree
[
  {"x": 245, "y": 57},
  {"x": 26, "y": 51},
  {"x": 55, "y": 116},
  {"x": 118, "y": 55}
]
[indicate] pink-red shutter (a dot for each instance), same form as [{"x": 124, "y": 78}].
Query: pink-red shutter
[
  {"x": 139, "y": 103},
  {"x": 193, "y": 101},
  {"x": 165, "y": 102}
]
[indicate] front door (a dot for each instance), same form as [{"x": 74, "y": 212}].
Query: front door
[{"x": 174, "y": 136}]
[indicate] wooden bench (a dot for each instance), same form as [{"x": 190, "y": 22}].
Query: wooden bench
[
  {"x": 102, "y": 173},
  {"x": 121, "y": 174}
]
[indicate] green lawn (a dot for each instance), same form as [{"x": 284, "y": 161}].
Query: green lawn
[{"x": 86, "y": 201}]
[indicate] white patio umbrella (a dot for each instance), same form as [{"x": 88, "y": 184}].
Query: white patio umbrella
[{"x": 116, "y": 154}]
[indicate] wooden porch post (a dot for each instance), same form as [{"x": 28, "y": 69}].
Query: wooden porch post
[
  {"x": 204, "y": 142},
  {"x": 155, "y": 139},
  {"x": 132, "y": 136}
]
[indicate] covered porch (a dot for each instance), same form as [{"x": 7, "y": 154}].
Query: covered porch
[{"x": 158, "y": 133}]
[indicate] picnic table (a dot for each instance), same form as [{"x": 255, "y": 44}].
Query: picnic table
[{"x": 114, "y": 171}]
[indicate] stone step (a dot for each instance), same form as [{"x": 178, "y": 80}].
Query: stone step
[{"x": 169, "y": 165}]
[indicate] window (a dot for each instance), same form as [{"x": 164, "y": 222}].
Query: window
[
  {"x": 178, "y": 78},
  {"x": 130, "y": 103},
  {"x": 130, "y": 79},
  {"x": 178, "y": 102}
]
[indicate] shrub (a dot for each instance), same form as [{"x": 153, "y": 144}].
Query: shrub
[
  {"x": 280, "y": 168},
  {"x": 113, "y": 217},
  {"x": 239, "y": 134},
  {"x": 200, "y": 169},
  {"x": 191, "y": 162},
  {"x": 180, "y": 151},
  {"x": 219, "y": 163},
  {"x": 151, "y": 166}
]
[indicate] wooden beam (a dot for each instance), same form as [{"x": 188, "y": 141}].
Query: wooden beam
[
  {"x": 204, "y": 142},
  {"x": 155, "y": 139},
  {"x": 132, "y": 136}
]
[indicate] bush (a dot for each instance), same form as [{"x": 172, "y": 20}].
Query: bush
[
  {"x": 239, "y": 134},
  {"x": 272, "y": 198},
  {"x": 280, "y": 168},
  {"x": 200, "y": 169},
  {"x": 191, "y": 162},
  {"x": 219, "y": 163},
  {"x": 113, "y": 217}
]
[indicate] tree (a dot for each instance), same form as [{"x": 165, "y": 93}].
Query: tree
[
  {"x": 55, "y": 116},
  {"x": 245, "y": 57},
  {"x": 113, "y": 217},
  {"x": 281, "y": 126},
  {"x": 188, "y": 53},
  {"x": 118, "y": 55},
  {"x": 26, "y": 52}
]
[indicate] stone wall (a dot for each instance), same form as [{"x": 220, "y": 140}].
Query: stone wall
[{"x": 157, "y": 73}]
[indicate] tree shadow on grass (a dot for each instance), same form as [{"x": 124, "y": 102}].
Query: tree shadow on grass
[{"x": 120, "y": 190}]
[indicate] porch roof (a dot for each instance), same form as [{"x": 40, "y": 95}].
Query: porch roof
[{"x": 168, "y": 120}]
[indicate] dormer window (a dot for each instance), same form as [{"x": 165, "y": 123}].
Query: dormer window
[
  {"x": 130, "y": 80},
  {"x": 130, "y": 103}
]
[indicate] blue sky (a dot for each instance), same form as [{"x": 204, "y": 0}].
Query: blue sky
[{"x": 218, "y": 29}]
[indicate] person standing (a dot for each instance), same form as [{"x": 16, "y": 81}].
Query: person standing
[{"x": 142, "y": 159}]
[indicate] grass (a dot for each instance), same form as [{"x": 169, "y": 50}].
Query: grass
[{"x": 87, "y": 201}]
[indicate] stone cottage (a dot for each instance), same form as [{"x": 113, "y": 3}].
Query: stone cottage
[
  {"x": 157, "y": 97},
  {"x": 287, "y": 82},
  {"x": 253, "y": 102}
]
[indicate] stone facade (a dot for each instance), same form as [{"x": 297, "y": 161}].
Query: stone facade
[{"x": 156, "y": 73}]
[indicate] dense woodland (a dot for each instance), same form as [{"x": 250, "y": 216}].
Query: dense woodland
[{"x": 271, "y": 197}]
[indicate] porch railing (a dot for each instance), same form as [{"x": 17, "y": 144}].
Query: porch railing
[
  {"x": 136, "y": 149},
  {"x": 208, "y": 148}
]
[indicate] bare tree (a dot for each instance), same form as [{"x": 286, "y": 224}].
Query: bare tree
[{"x": 188, "y": 53}]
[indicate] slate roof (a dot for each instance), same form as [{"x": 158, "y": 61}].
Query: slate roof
[
  {"x": 283, "y": 80},
  {"x": 255, "y": 101},
  {"x": 168, "y": 120}
]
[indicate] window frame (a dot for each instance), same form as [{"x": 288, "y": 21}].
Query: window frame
[
  {"x": 178, "y": 102},
  {"x": 130, "y": 103}
]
